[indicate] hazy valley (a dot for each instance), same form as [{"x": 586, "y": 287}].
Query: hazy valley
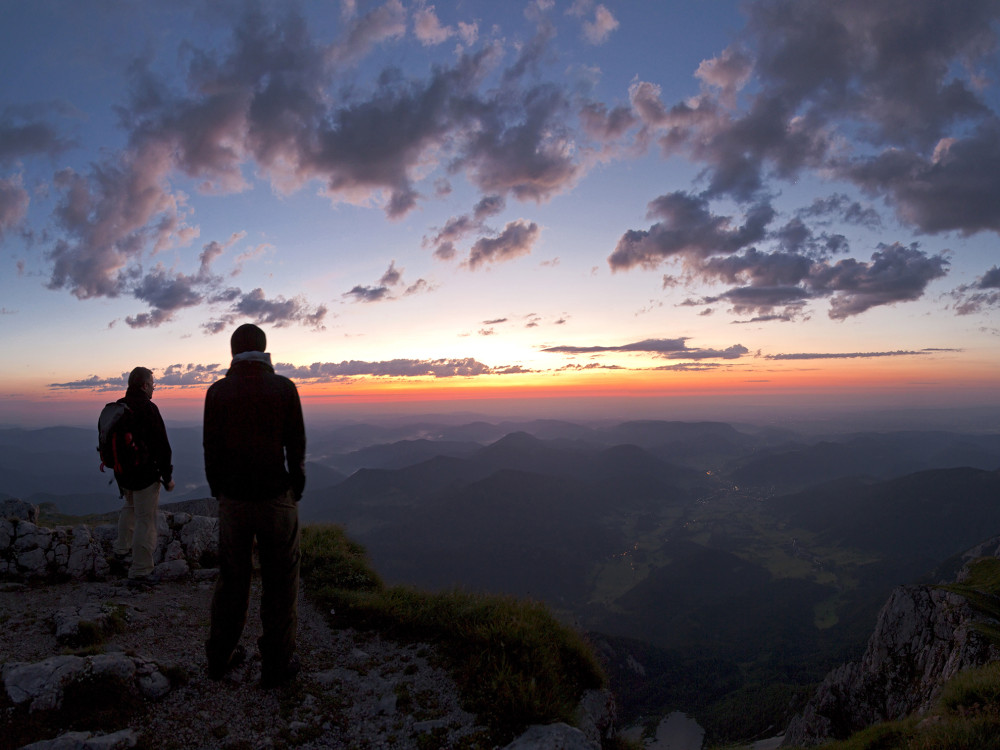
[{"x": 715, "y": 564}]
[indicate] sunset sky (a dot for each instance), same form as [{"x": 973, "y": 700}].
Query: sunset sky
[{"x": 634, "y": 208}]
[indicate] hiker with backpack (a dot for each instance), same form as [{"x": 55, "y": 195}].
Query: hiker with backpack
[{"x": 136, "y": 444}]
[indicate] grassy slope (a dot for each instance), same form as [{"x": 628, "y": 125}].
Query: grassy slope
[{"x": 514, "y": 662}]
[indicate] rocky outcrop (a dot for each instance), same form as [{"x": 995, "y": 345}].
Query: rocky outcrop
[
  {"x": 29, "y": 552},
  {"x": 42, "y": 686},
  {"x": 923, "y": 637},
  {"x": 355, "y": 689}
]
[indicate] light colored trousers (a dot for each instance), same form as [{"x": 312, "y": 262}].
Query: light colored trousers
[{"x": 137, "y": 528}]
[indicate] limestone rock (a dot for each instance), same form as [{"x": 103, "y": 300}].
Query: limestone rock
[
  {"x": 71, "y": 623},
  {"x": 595, "y": 715},
  {"x": 14, "y": 507},
  {"x": 31, "y": 552},
  {"x": 86, "y": 741},
  {"x": 41, "y": 686},
  {"x": 553, "y": 737},
  {"x": 923, "y": 637},
  {"x": 200, "y": 537}
]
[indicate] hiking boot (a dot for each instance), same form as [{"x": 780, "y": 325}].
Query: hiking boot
[
  {"x": 238, "y": 656},
  {"x": 120, "y": 561},
  {"x": 272, "y": 677}
]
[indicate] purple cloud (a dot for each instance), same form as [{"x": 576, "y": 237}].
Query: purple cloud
[
  {"x": 517, "y": 239},
  {"x": 667, "y": 348}
]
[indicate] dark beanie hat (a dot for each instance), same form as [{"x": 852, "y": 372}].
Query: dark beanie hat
[{"x": 248, "y": 338}]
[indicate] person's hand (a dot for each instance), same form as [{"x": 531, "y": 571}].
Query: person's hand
[{"x": 169, "y": 485}]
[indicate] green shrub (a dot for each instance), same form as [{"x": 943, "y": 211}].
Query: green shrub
[
  {"x": 514, "y": 662},
  {"x": 330, "y": 559}
]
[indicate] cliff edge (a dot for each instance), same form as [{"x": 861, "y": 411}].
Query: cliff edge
[{"x": 923, "y": 637}]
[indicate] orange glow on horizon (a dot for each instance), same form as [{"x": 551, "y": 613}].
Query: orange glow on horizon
[{"x": 889, "y": 381}]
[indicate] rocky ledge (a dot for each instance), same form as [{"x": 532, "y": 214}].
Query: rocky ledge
[{"x": 88, "y": 662}]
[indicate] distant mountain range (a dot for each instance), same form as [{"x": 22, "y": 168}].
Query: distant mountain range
[{"x": 728, "y": 557}]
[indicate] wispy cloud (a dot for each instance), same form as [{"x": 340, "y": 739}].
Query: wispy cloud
[
  {"x": 856, "y": 355},
  {"x": 667, "y": 348},
  {"x": 389, "y": 287},
  {"x": 983, "y": 294}
]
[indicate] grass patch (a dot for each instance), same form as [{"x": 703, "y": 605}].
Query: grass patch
[
  {"x": 981, "y": 589},
  {"x": 973, "y": 690},
  {"x": 515, "y": 664}
]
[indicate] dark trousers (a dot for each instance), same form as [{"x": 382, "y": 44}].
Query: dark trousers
[{"x": 275, "y": 525}]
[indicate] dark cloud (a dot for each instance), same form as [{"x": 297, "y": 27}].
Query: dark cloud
[
  {"x": 395, "y": 368},
  {"x": 278, "y": 311},
  {"x": 27, "y": 132},
  {"x": 776, "y": 284},
  {"x": 687, "y": 228},
  {"x": 490, "y": 205},
  {"x": 264, "y": 102},
  {"x": 597, "y": 21},
  {"x": 839, "y": 207},
  {"x": 981, "y": 296},
  {"x": 167, "y": 293},
  {"x": 956, "y": 187},
  {"x": 418, "y": 287},
  {"x": 458, "y": 228},
  {"x": 379, "y": 25},
  {"x": 94, "y": 383},
  {"x": 762, "y": 269},
  {"x": 668, "y": 348},
  {"x": 847, "y": 355},
  {"x": 14, "y": 202},
  {"x": 258, "y": 308},
  {"x": 368, "y": 293},
  {"x": 393, "y": 277},
  {"x": 765, "y": 299},
  {"x": 189, "y": 375},
  {"x": 516, "y": 239},
  {"x": 527, "y": 157},
  {"x": 895, "y": 274},
  {"x": 891, "y": 100},
  {"x": 606, "y": 125},
  {"x": 990, "y": 279}
]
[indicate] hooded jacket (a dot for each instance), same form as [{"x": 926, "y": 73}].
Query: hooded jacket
[
  {"x": 254, "y": 436},
  {"x": 151, "y": 431}
]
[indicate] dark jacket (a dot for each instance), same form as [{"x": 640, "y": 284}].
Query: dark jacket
[
  {"x": 254, "y": 436},
  {"x": 152, "y": 432}
]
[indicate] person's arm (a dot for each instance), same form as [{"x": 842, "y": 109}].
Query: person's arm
[
  {"x": 210, "y": 444},
  {"x": 162, "y": 452},
  {"x": 295, "y": 443}
]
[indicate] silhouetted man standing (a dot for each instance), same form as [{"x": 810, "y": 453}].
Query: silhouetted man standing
[{"x": 255, "y": 444}]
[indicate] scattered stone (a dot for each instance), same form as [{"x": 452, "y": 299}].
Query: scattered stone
[
  {"x": 172, "y": 570},
  {"x": 553, "y": 737},
  {"x": 124, "y": 738},
  {"x": 84, "y": 624}
]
